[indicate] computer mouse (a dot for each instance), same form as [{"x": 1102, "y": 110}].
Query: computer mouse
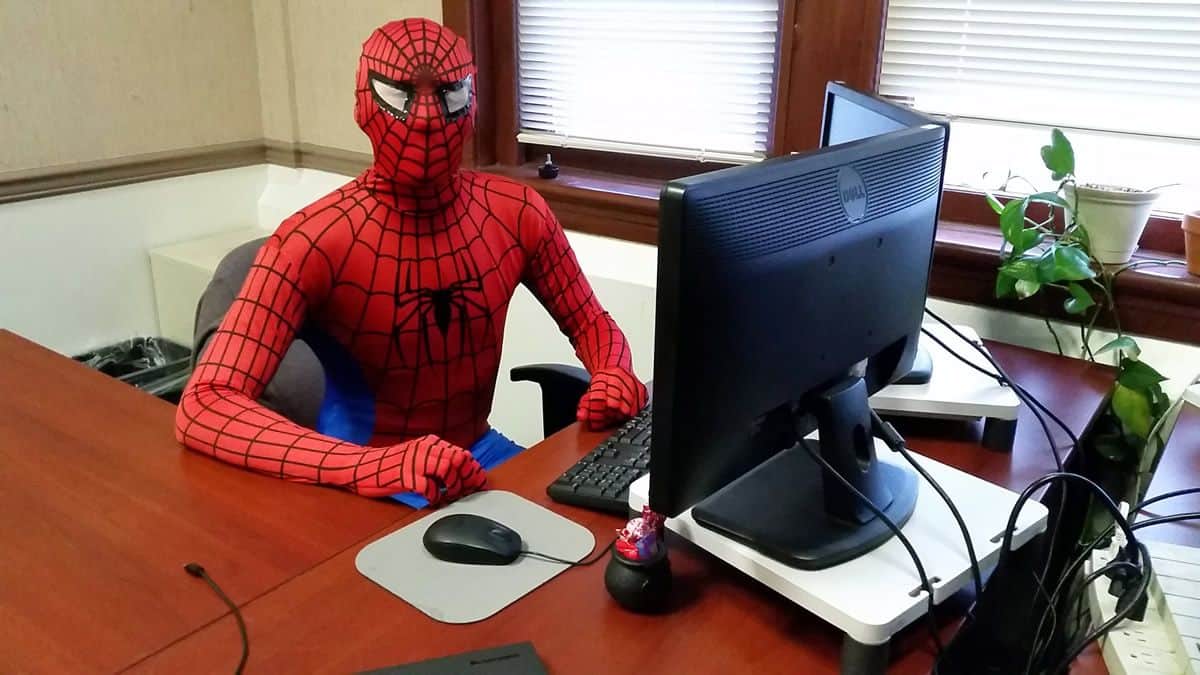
[{"x": 472, "y": 540}]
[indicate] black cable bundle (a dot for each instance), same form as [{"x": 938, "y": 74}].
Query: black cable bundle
[{"x": 1032, "y": 615}]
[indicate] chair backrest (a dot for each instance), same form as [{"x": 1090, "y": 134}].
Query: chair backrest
[{"x": 298, "y": 387}]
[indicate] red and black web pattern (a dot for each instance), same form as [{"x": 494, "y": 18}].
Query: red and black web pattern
[{"x": 413, "y": 286}]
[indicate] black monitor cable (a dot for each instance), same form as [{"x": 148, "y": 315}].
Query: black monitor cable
[
  {"x": 912, "y": 552},
  {"x": 1123, "y": 613},
  {"x": 1133, "y": 546},
  {"x": 1040, "y": 411},
  {"x": 198, "y": 571},
  {"x": 895, "y": 441}
]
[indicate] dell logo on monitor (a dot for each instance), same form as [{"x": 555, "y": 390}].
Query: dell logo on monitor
[{"x": 853, "y": 193}]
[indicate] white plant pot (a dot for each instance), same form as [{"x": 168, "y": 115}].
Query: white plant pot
[{"x": 1114, "y": 219}]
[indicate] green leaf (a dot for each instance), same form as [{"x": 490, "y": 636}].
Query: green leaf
[
  {"x": 1137, "y": 375},
  {"x": 1029, "y": 238},
  {"x": 994, "y": 203},
  {"x": 1012, "y": 220},
  {"x": 1059, "y": 156},
  {"x": 1022, "y": 268},
  {"x": 1064, "y": 263},
  {"x": 1124, "y": 343},
  {"x": 1133, "y": 409},
  {"x": 1006, "y": 284},
  {"x": 1080, "y": 234},
  {"x": 1049, "y": 198},
  {"x": 1026, "y": 288},
  {"x": 1080, "y": 299}
]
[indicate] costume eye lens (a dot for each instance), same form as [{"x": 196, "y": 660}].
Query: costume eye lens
[
  {"x": 457, "y": 98},
  {"x": 393, "y": 97}
]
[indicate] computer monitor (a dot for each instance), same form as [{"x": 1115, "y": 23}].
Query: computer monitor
[
  {"x": 852, "y": 115},
  {"x": 788, "y": 292}
]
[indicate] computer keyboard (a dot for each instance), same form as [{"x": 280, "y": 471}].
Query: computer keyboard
[{"x": 601, "y": 479}]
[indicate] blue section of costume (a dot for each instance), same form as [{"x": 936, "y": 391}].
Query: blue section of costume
[
  {"x": 491, "y": 450},
  {"x": 348, "y": 409}
]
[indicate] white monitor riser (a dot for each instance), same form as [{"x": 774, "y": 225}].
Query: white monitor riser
[
  {"x": 872, "y": 597},
  {"x": 956, "y": 390}
]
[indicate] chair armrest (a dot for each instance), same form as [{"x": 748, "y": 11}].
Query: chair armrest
[{"x": 562, "y": 387}]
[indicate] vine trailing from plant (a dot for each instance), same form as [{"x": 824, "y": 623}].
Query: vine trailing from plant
[{"x": 1041, "y": 255}]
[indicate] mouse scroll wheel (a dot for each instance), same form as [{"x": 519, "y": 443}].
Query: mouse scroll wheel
[{"x": 497, "y": 532}]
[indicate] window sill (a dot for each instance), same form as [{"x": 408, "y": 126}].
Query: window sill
[{"x": 1161, "y": 302}]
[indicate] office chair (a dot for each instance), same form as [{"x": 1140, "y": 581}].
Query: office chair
[{"x": 298, "y": 387}]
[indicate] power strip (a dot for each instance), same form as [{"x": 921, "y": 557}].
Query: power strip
[{"x": 1167, "y": 640}]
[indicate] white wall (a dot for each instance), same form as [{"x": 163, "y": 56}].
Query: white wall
[{"x": 74, "y": 272}]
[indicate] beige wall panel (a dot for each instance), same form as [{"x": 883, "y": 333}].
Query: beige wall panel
[{"x": 86, "y": 80}]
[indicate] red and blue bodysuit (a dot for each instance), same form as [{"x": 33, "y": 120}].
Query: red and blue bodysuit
[{"x": 401, "y": 280}]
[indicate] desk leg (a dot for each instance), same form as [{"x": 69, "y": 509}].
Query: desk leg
[
  {"x": 861, "y": 659},
  {"x": 999, "y": 434}
]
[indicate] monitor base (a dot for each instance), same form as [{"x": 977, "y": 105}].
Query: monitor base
[
  {"x": 871, "y": 597},
  {"x": 922, "y": 368},
  {"x": 779, "y": 510}
]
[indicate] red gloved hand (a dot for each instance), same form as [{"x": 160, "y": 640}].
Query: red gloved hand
[
  {"x": 440, "y": 471},
  {"x": 613, "y": 396}
]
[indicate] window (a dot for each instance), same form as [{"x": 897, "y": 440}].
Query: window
[
  {"x": 683, "y": 79},
  {"x": 1122, "y": 78}
]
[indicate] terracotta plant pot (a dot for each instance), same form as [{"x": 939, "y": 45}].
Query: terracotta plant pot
[
  {"x": 1191, "y": 241},
  {"x": 1114, "y": 218}
]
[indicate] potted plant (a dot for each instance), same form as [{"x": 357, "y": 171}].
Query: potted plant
[
  {"x": 1049, "y": 257},
  {"x": 1115, "y": 217}
]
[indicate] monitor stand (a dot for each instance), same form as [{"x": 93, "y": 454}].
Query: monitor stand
[
  {"x": 955, "y": 390},
  {"x": 789, "y": 508},
  {"x": 872, "y": 597}
]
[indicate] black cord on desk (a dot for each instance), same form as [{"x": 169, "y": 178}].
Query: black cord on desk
[
  {"x": 1163, "y": 520},
  {"x": 1141, "y": 506},
  {"x": 198, "y": 571},
  {"x": 569, "y": 563}
]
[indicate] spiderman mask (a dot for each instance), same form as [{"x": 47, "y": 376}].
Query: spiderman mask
[{"x": 415, "y": 101}]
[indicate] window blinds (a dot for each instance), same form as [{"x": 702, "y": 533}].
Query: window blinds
[
  {"x": 688, "y": 79},
  {"x": 1107, "y": 65}
]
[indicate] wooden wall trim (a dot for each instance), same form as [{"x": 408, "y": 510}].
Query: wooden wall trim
[
  {"x": 320, "y": 157},
  {"x": 65, "y": 179}
]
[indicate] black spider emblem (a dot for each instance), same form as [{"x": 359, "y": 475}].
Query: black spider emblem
[{"x": 439, "y": 308}]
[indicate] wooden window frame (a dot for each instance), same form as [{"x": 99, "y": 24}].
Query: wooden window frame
[{"x": 617, "y": 195}]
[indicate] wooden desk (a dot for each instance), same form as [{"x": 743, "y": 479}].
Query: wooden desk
[
  {"x": 330, "y": 619},
  {"x": 100, "y": 509}
]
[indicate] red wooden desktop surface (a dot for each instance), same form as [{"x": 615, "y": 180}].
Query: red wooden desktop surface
[{"x": 99, "y": 508}]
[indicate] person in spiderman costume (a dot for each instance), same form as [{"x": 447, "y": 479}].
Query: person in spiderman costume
[{"x": 400, "y": 281}]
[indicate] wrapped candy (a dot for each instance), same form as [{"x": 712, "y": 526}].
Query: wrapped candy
[{"x": 641, "y": 537}]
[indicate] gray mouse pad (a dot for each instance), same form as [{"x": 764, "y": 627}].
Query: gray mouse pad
[{"x": 456, "y": 593}]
